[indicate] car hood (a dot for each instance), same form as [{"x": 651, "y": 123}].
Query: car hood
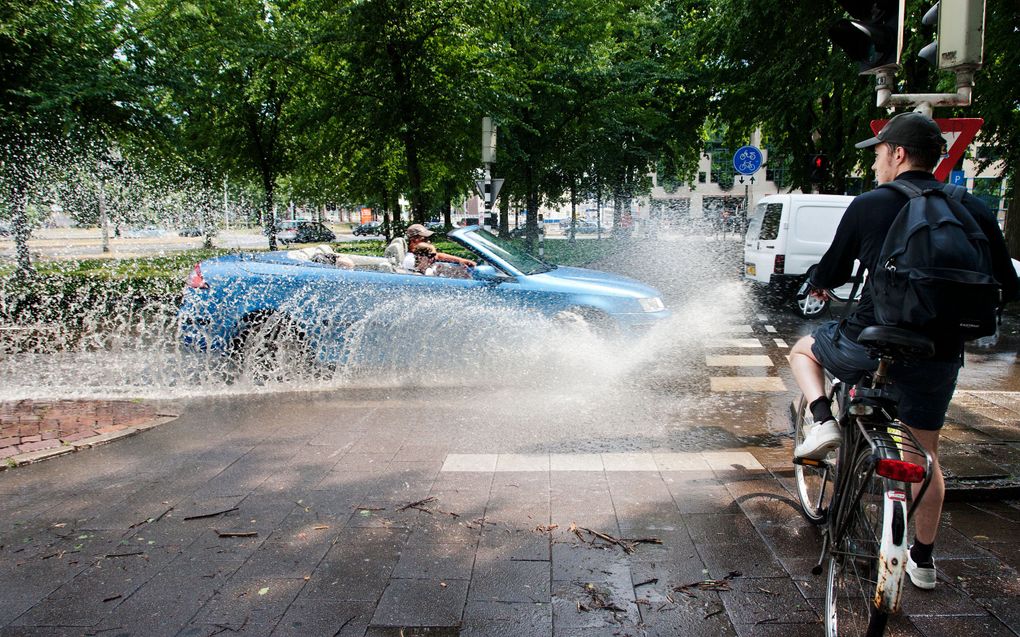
[{"x": 595, "y": 282}]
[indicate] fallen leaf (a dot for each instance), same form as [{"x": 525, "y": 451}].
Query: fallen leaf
[{"x": 263, "y": 591}]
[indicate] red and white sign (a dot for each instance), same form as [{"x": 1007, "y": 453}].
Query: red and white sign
[
  {"x": 958, "y": 132},
  {"x": 366, "y": 215}
]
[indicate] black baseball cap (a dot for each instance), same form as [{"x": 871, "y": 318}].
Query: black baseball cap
[{"x": 913, "y": 130}]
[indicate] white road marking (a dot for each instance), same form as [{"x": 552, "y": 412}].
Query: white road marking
[
  {"x": 746, "y": 343},
  {"x": 780, "y": 343},
  {"x": 751, "y": 360},
  {"x": 470, "y": 462},
  {"x": 736, "y": 329},
  {"x": 770, "y": 329},
  {"x": 611, "y": 462},
  {"x": 747, "y": 383},
  {"x": 763, "y": 318}
]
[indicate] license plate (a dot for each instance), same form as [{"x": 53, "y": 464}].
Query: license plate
[{"x": 751, "y": 270}]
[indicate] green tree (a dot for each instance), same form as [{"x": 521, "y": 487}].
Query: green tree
[
  {"x": 66, "y": 79},
  {"x": 229, "y": 69}
]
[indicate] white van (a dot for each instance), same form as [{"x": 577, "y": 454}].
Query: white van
[{"x": 786, "y": 235}]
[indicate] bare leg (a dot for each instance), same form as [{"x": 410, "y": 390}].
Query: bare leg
[
  {"x": 928, "y": 512},
  {"x": 807, "y": 371}
]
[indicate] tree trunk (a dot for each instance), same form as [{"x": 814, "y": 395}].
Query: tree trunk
[
  {"x": 19, "y": 224},
  {"x": 573, "y": 210},
  {"x": 1012, "y": 221},
  {"x": 104, "y": 220},
  {"x": 531, "y": 202},
  {"x": 270, "y": 216}
]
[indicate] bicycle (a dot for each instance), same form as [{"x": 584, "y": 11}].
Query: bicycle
[{"x": 858, "y": 493}]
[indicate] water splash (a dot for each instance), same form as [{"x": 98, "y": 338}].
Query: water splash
[{"x": 118, "y": 348}]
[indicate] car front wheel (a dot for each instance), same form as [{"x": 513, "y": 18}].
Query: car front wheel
[{"x": 811, "y": 307}]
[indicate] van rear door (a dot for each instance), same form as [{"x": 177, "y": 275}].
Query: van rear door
[
  {"x": 764, "y": 235},
  {"x": 812, "y": 225}
]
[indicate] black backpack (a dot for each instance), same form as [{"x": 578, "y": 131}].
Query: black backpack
[{"x": 934, "y": 272}]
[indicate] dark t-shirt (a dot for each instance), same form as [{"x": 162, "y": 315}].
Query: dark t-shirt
[{"x": 862, "y": 232}]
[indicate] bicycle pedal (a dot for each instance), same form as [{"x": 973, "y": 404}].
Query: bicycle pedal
[{"x": 807, "y": 462}]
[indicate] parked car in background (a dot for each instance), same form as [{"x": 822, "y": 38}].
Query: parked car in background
[
  {"x": 522, "y": 231},
  {"x": 367, "y": 229},
  {"x": 243, "y": 304},
  {"x": 190, "y": 231},
  {"x": 435, "y": 226},
  {"x": 304, "y": 232}
]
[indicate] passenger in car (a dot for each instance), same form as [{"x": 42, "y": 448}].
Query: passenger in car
[
  {"x": 399, "y": 248},
  {"x": 422, "y": 259}
]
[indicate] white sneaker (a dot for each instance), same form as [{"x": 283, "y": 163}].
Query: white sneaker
[
  {"x": 920, "y": 576},
  {"x": 819, "y": 440}
]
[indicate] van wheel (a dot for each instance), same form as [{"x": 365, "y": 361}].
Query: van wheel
[{"x": 810, "y": 307}]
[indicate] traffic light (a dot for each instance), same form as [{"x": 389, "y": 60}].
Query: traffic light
[
  {"x": 874, "y": 38},
  {"x": 819, "y": 168},
  {"x": 959, "y": 40}
]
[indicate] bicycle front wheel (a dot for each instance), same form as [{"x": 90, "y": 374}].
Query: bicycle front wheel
[
  {"x": 854, "y": 563},
  {"x": 814, "y": 478}
]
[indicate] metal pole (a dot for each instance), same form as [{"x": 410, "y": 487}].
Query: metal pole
[{"x": 541, "y": 238}]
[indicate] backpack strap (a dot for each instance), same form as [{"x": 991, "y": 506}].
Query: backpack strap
[
  {"x": 954, "y": 191},
  {"x": 904, "y": 187}
]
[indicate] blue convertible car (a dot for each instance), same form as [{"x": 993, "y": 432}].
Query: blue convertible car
[{"x": 309, "y": 301}]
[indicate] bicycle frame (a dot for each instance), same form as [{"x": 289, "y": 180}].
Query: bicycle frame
[{"x": 870, "y": 411}]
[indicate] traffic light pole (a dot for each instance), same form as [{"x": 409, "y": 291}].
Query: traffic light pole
[{"x": 923, "y": 102}]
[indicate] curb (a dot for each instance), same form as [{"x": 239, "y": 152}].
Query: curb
[{"x": 31, "y": 457}]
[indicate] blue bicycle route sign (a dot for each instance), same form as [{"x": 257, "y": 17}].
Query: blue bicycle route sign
[{"x": 747, "y": 160}]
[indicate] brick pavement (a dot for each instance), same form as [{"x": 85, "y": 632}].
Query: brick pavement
[{"x": 31, "y": 429}]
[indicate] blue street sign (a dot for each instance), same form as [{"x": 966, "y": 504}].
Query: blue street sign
[
  {"x": 747, "y": 160},
  {"x": 958, "y": 178}
]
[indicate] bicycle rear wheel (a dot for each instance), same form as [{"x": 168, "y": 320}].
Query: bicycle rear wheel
[
  {"x": 814, "y": 479},
  {"x": 854, "y": 564}
]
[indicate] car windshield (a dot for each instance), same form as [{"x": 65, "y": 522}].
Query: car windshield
[{"x": 509, "y": 252}]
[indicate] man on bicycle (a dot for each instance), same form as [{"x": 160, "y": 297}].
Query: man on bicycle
[{"x": 907, "y": 148}]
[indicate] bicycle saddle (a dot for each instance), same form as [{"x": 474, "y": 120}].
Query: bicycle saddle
[{"x": 894, "y": 339}]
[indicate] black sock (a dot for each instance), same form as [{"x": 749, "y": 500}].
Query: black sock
[
  {"x": 821, "y": 410},
  {"x": 921, "y": 553}
]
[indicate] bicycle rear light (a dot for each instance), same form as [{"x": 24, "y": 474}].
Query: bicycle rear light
[
  {"x": 899, "y": 470},
  {"x": 780, "y": 267}
]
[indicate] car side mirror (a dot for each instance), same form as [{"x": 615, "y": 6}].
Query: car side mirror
[{"x": 485, "y": 272}]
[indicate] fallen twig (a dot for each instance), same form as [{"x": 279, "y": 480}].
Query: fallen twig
[
  {"x": 419, "y": 505},
  {"x": 546, "y": 528},
  {"x": 714, "y": 613},
  {"x": 110, "y": 599},
  {"x": 209, "y": 515},
  {"x": 598, "y": 601},
  {"x": 236, "y": 533},
  {"x": 654, "y": 580}
]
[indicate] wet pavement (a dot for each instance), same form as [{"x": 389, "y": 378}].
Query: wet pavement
[{"x": 402, "y": 511}]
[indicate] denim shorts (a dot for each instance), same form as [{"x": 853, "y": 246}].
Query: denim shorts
[{"x": 923, "y": 388}]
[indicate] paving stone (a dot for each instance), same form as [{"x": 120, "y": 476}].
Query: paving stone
[
  {"x": 718, "y": 528},
  {"x": 759, "y": 601},
  {"x": 161, "y": 606},
  {"x": 246, "y": 607},
  {"x": 325, "y": 617},
  {"x": 510, "y": 581},
  {"x": 500, "y": 619},
  {"x": 979, "y": 626},
  {"x": 518, "y": 544},
  {"x": 574, "y": 607},
  {"x": 981, "y": 577},
  {"x": 435, "y": 561},
  {"x": 751, "y": 558},
  {"x": 421, "y": 602}
]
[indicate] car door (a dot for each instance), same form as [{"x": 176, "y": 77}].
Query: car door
[{"x": 764, "y": 235}]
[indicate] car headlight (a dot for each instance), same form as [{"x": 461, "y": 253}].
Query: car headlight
[{"x": 653, "y": 304}]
